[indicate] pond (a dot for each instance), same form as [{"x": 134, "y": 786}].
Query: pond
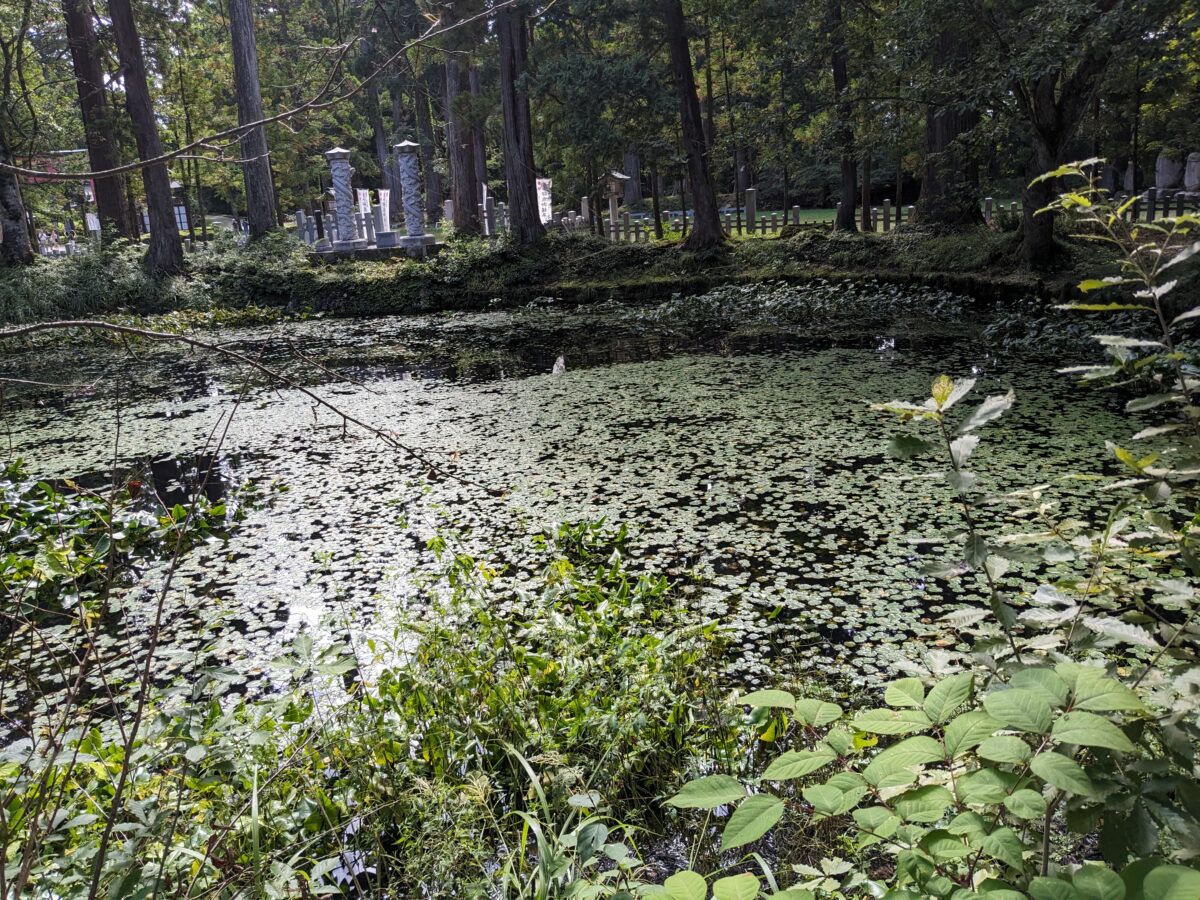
[{"x": 738, "y": 447}]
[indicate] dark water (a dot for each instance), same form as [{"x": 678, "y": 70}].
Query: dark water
[{"x": 742, "y": 454}]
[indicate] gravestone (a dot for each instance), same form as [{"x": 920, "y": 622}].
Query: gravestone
[
  {"x": 1130, "y": 178},
  {"x": 489, "y": 215},
  {"x": 447, "y": 210},
  {"x": 1110, "y": 179},
  {"x": 1168, "y": 173},
  {"x": 751, "y": 209},
  {"x": 1191, "y": 173},
  {"x": 796, "y": 215}
]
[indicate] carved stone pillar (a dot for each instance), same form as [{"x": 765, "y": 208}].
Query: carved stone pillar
[
  {"x": 343, "y": 200},
  {"x": 410, "y": 188}
]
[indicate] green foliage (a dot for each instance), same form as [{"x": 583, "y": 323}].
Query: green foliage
[
  {"x": 1064, "y": 715},
  {"x": 407, "y": 764}
]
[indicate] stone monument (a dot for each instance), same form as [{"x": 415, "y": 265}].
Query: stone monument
[
  {"x": 410, "y": 190},
  {"x": 343, "y": 200},
  {"x": 1168, "y": 172},
  {"x": 1191, "y": 173}
]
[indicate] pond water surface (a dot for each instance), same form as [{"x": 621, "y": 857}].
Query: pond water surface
[{"x": 745, "y": 460}]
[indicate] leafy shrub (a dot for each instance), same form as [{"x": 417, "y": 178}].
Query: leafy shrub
[
  {"x": 1051, "y": 755},
  {"x": 420, "y": 766}
]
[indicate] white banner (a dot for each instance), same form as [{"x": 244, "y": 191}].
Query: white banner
[
  {"x": 385, "y": 207},
  {"x": 545, "y": 206},
  {"x": 93, "y": 221},
  {"x": 364, "y": 201}
]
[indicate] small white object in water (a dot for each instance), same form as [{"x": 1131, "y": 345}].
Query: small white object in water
[{"x": 560, "y": 366}]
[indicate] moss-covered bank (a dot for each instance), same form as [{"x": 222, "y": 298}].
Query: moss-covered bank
[{"x": 476, "y": 274}]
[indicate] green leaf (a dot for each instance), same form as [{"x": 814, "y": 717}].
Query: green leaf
[
  {"x": 944, "y": 846},
  {"x": 1045, "y": 682},
  {"x": 736, "y": 887},
  {"x": 753, "y": 818},
  {"x": 196, "y": 752},
  {"x": 1064, "y": 774},
  {"x": 1090, "y": 730},
  {"x": 897, "y": 760},
  {"x": 1171, "y": 883},
  {"x": 906, "y": 446},
  {"x": 985, "y": 786},
  {"x": 1004, "y": 844},
  {"x": 891, "y": 721},
  {"x": 879, "y": 821},
  {"x": 1025, "y": 804},
  {"x": 797, "y": 764},
  {"x": 907, "y": 692},
  {"x": 962, "y": 448},
  {"x": 1097, "y": 692},
  {"x": 1042, "y": 888},
  {"x": 1005, "y": 748},
  {"x": 816, "y": 713},
  {"x": 1098, "y": 883},
  {"x": 772, "y": 699},
  {"x": 948, "y": 695},
  {"x": 686, "y": 885},
  {"x": 823, "y": 798},
  {"x": 923, "y": 804},
  {"x": 1096, "y": 284},
  {"x": 708, "y": 792},
  {"x": 991, "y": 408},
  {"x": 1184, "y": 254},
  {"x": 969, "y": 730},
  {"x": 1020, "y": 709}
]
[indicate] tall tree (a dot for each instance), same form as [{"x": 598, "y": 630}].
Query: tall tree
[
  {"x": 839, "y": 54},
  {"x": 949, "y": 182},
  {"x": 256, "y": 163},
  {"x": 706, "y": 232},
  {"x": 459, "y": 149},
  {"x": 525, "y": 223},
  {"x": 433, "y": 178},
  {"x": 111, "y": 205},
  {"x": 166, "y": 250},
  {"x": 16, "y": 244}
]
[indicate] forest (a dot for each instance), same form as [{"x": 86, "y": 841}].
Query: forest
[{"x": 600, "y": 449}]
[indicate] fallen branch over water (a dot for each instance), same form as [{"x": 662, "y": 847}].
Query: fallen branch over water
[{"x": 387, "y": 437}]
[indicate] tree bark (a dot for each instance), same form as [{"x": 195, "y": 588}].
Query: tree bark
[
  {"x": 867, "y": 224},
  {"x": 166, "y": 250},
  {"x": 458, "y": 149},
  {"x": 478, "y": 150},
  {"x": 706, "y": 232},
  {"x": 633, "y": 168},
  {"x": 256, "y": 165},
  {"x": 950, "y": 180},
  {"x": 655, "y": 200},
  {"x": 525, "y": 224},
  {"x": 844, "y": 134},
  {"x": 16, "y": 244},
  {"x": 97, "y": 118},
  {"x": 433, "y": 180}
]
